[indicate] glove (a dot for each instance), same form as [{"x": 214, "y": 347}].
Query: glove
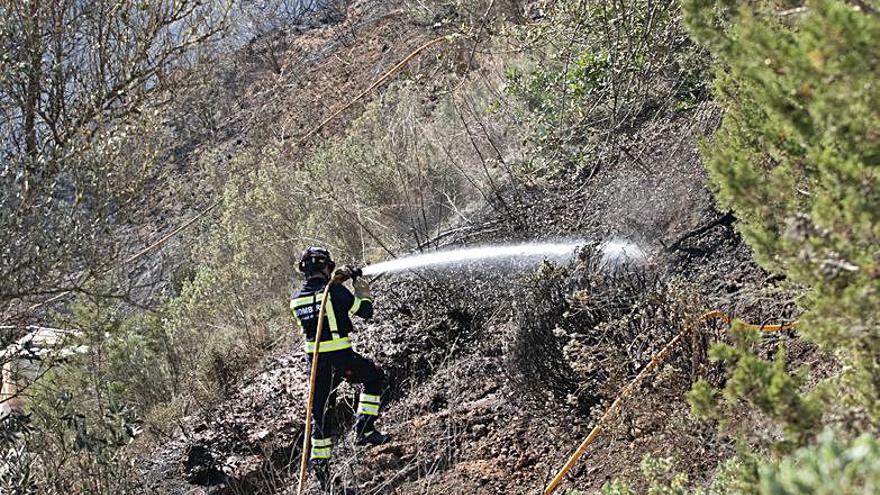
[
  {"x": 342, "y": 274},
  {"x": 345, "y": 272},
  {"x": 362, "y": 289}
]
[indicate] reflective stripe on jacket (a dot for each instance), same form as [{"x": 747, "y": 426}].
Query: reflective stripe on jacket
[{"x": 305, "y": 305}]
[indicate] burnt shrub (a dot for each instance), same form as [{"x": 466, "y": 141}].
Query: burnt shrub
[
  {"x": 584, "y": 331},
  {"x": 535, "y": 357}
]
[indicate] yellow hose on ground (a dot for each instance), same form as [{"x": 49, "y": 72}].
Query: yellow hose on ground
[
  {"x": 763, "y": 328},
  {"x": 303, "y": 465},
  {"x": 656, "y": 360}
]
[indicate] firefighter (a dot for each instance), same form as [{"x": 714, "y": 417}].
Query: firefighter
[{"x": 336, "y": 360}]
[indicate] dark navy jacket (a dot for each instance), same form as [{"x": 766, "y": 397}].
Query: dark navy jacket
[{"x": 342, "y": 305}]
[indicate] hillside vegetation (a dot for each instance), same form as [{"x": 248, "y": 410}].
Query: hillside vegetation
[{"x": 165, "y": 162}]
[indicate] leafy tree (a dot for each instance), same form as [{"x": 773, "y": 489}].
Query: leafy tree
[
  {"x": 797, "y": 158},
  {"x": 84, "y": 148},
  {"x": 81, "y": 134}
]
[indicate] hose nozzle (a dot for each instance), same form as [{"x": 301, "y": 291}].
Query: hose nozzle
[{"x": 347, "y": 272}]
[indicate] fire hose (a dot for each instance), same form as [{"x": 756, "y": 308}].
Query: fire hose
[
  {"x": 338, "y": 277},
  {"x": 307, "y": 431},
  {"x": 656, "y": 361}
]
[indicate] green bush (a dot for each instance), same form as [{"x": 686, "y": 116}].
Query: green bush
[
  {"x": 80, "y": 413},
  {"x": 589, "y": 75},
  {"x": 661, "y": 477},
  {"x": 830, "y": 467},
  {"x": 797, "y": 159},
  {"x": 767, "y": 384}
]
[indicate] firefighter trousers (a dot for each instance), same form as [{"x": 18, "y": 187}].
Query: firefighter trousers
[{"x": 333, "y": 367}]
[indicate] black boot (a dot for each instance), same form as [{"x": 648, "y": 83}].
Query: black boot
[
  {"x": 366, "y": 433},
  {"x": 320, "y": 469}
]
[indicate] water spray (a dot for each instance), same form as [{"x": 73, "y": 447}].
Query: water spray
[
  {"x": 613, "y": 253},
  {"x": 617, "y": 252},
  {"x": 559, "y": 251}
]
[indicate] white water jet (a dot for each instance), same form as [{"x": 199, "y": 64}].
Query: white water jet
[
  {"x": 555, "y": 251},
  {"x": 617, "y": 252}
]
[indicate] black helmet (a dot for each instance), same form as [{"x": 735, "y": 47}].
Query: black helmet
[{"x": 314, "y": 259}]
